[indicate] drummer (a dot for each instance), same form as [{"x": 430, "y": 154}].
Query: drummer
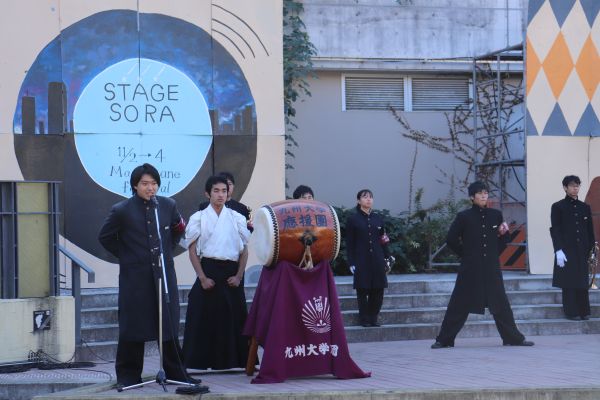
[
  {"x": 303, "y": 192},
  {"x": 217, "y": 239}
]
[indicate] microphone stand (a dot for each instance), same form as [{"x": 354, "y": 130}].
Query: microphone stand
[{"x": 161, "y": 376}]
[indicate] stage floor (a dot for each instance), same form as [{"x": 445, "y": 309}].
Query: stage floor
[{"x": 556, "y": 367}]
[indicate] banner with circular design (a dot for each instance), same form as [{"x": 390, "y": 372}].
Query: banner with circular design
[{"x": 104, "y": 96}]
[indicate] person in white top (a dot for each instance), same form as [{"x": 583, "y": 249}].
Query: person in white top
[{"x": 216, "y": 238}]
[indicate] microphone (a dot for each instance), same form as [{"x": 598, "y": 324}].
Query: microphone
[{"x": 154, "y": 200}]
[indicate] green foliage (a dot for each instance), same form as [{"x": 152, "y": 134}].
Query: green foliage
[
  {"x": 297, "y": 66},
  {"x": 412, "y": 236},
  {"x": 297, "y": 53}
]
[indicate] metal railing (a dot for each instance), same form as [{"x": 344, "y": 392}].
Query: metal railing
[{"x": 76, "y": 266}]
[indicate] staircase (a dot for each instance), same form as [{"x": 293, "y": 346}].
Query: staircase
[{"x": 413, "y": 308}]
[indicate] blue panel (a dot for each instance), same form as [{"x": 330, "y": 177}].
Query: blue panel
[
  {"x": 556, "y": 125},
  {"x": 530, "y": 126},
  {"x": 534, "y": 7},
  {"x": 591, "y": 9},
  {"x": 561, "y": 9},
  {"x": 589, "y": 124}
]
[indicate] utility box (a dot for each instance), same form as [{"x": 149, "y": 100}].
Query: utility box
[{"x": 29, "y": 237}]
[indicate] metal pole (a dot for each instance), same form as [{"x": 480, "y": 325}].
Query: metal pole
[
  {"x": 76, "y": 293},
  {"x": 475, "y": 111},
  {"x": 498, "y": 96},
  {"x": 162, "y": 256}
]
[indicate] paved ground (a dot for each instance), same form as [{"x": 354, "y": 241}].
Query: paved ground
[{"x": 571, "y": 361}]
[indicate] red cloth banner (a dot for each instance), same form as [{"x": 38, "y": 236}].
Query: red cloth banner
[{"x": 295, "y": 316}]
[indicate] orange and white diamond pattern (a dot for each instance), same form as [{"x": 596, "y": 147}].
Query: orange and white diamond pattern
[{"x": 563, "y": 68}]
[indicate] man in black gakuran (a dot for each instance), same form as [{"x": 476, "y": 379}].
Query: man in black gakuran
[
  {"x": 572, "y": 234},
  {"x": 477, "y": 236},
  {"x": 130, "y": 234}
]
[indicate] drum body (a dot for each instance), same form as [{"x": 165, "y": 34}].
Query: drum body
[{"x": 279, "y": 229}]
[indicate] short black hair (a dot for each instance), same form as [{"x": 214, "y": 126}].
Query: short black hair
[
  {"x": 228, "y": 176},
  {"x": 362, "y": 192},
  {"x": 213, "y": 180},
  {"x": 302, "y": 190},
  {"x": 141, "y": 170},
  {"x": 476, "y": 187},
  {"x": 571, "y": 178}
]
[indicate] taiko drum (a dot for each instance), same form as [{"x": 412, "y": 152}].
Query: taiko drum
[{"x": 280, "y": 230}]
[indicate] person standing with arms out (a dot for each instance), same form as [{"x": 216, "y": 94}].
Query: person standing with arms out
[
  {"x": 217, "y": 239},
  {"x": 365, "y": 232},
  {"x": 478, "y": 236},
  {"x": 130, "y": 234},
  {"x": 572, "y": 233}
]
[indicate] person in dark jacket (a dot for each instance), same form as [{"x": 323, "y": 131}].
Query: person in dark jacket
[
  {"x": 365, "y": 232},
  {"x": 478, "y": 236},
  {"x": 572, "y": 234},
  {"x": 130, "y": 234}
]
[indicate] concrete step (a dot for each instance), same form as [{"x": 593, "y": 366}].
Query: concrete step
[
  {"x": 97, "y": 317},
  {"x": 398, "y": 284},
  {"x": 107, "y": 350},
  {"x": 108, "y": 314},
  {"x": 445, "y": 284},
  {"x": 413, "y": 308},
  {"x": 472, "y": 329},
  {"x": 109, "y": 332},
  {"x": 435, "y": 315},
  {"x": 411, "y": 300}
]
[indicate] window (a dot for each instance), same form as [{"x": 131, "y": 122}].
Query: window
[
  {"x": 373, "y": 93},
  {"x": 435, "y": 94},
  {"x": 429, "y": 93}
]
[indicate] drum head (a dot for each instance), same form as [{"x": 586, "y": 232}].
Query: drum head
[{"x": 263, "y": 239}]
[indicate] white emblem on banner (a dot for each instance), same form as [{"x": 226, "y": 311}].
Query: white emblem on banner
[{"x": 315, "y": 315}]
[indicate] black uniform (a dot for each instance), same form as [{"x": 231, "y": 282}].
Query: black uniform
[
  {"x": 473, "y": 236},
  {"x": 129, "y": 233},
  {"x": 572, "y": 232},
  {"x": 366, "y": 253}
]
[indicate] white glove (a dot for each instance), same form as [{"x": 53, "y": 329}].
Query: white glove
[
  {"x": 352, "y": 268},
  {"x": 561, "y": 258}
]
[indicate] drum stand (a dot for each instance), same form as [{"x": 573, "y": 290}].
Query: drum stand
[{"x": 161, "y": 377}]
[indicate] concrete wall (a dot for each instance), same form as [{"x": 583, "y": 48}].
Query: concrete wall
[
  {"x": 17, "y": 335},
  {"x": 412, "y": 29}
]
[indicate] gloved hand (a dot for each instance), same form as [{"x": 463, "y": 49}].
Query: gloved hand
[
  {"x": 352, "y": 268},
  {"x": 561, "y": 258},
  {"x": 389, "y": 263}
]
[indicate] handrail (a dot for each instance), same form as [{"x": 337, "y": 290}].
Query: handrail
[
  {"x": 90, "y": 272},
  {"x": 76, "y": 266}
]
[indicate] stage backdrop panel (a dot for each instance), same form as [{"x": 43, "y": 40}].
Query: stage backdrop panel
[
  {"x": 97, "y": 88},
  {"x": 563, "y": 111}
]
